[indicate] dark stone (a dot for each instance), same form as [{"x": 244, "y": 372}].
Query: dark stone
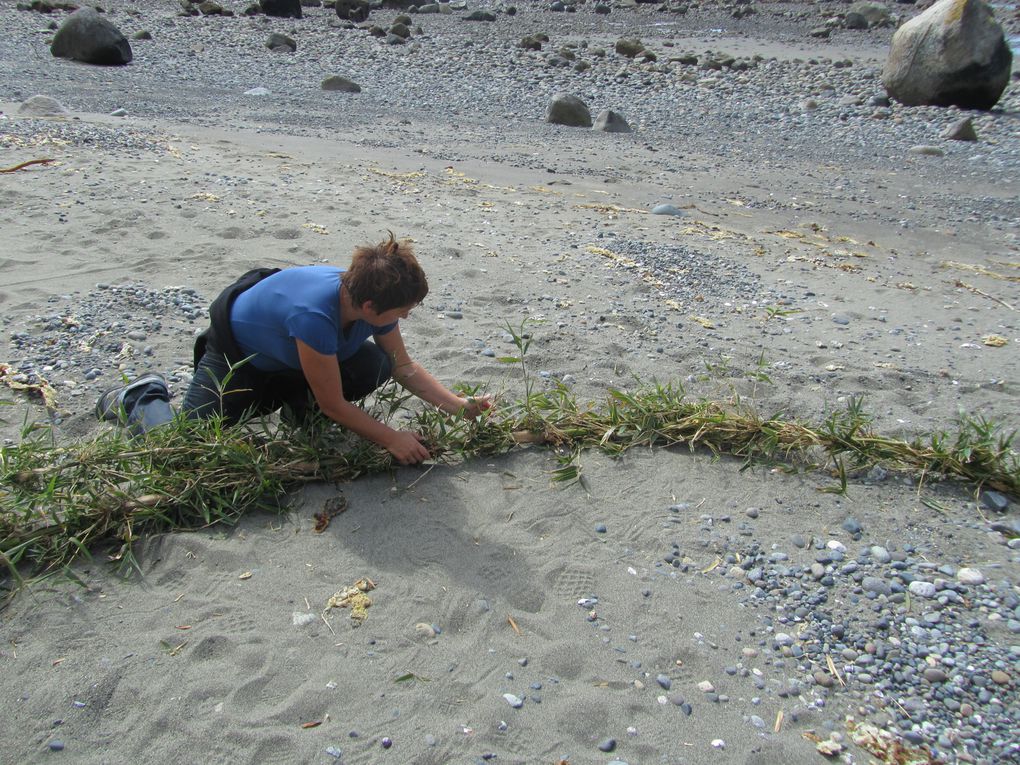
[
  {"x": 88, "y": 37},
  {"x": 854, "y": 20},
  {"x": 480, "y": 16},
  {"x": 629, "y": 47},
  {"x": 568, "y": 110},
  {"x": 281, "y": 42},
  {"x": 993, "y": 500},
  {"x": 284, "y": 9},
  {"x": 352, "y": 10}
]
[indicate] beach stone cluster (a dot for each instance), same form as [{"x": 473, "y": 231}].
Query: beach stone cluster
[
  {"x": 83, "y": 344},
  {"x": 896, "y": 626}
]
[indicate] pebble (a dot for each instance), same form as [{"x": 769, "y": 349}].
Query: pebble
[
  {"x": 607, "y": 745},
  {"x": 425, "y": 630},
  {"x": 56, "y": 745},
  {"x": 970, "y": 576},
  {"x": 880, "y": 554},
  {"x": 876, "y": 585},
  {"x": 993, "y": 500},
  {"x": 515, "y": 701},
  {"x": 664, "y": 682},
  {"x": 922, "y": 589},
  {"x": 706, "y": 687},
  {"x": 823, "y": 679},
  {"x": 666, "y": 209},
  {"x": 852, "y": 526}
]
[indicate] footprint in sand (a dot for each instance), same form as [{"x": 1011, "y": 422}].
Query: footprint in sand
[{"x": 572, "y": 582}]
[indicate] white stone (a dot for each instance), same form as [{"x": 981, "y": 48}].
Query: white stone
[
  {"x": 922, "y": 589},
  {"x": 513, "y": 701},
  {"x": 970, "y": 576}
]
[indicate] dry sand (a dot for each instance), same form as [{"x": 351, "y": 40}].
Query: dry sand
[{"x": 203, "y": 659}]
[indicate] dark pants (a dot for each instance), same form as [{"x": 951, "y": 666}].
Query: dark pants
[{"x": 246, "y": 390}]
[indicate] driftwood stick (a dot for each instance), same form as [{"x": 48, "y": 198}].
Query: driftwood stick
[{"x": 23, "y": 165}]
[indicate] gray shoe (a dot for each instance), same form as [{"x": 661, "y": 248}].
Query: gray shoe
[{"x": 110, "y": 406}]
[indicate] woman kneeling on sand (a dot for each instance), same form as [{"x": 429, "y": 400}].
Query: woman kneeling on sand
[{"x": 277, "y": 336}]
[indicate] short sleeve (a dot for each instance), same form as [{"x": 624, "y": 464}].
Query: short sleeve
[{"x": 315, "y": 330}]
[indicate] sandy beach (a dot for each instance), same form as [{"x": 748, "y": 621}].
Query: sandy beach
[{"x": 672, "y": 608}]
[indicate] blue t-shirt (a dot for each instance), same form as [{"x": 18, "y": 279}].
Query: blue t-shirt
[{"x": 297, "y": 303}]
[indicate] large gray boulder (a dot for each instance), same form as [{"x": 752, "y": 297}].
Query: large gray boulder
[
  {"x": 954, "y": 53},
  {"x": 568, "y": 110},
  {"x": 89, "y": 37}
]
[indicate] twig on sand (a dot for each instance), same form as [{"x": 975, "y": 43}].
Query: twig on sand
[
  {"x": 976, "y": 291},
  {"x": 23, "y": 165}
]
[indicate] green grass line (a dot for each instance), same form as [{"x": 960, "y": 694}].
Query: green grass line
[{"x": 58, "y": 503}]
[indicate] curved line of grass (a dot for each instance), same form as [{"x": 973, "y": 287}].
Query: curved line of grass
[{"x": 59, "y": 502}]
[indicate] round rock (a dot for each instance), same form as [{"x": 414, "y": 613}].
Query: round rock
[
  {"x": 341, "y": 84},
  {"x": 565, "y": 109},
  {"x": 970, "y": 576},
  {"x": 42, "y": 106}
]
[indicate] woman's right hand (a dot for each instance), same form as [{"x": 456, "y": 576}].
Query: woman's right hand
[{"x": 407, "y": 448}]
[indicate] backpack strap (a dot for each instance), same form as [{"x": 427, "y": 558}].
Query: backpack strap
[{"x": 219, "y": 332}]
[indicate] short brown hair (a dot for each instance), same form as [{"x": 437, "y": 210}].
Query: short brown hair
[{"x": 388, "y": 274}]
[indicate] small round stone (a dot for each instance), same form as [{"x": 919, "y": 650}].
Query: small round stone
[
  {"x": 970, "y": 576},
  {"x": 607, "y": 745},
  {"x": 922, "y": 589},
  {"x": 824, "y": 679}
]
